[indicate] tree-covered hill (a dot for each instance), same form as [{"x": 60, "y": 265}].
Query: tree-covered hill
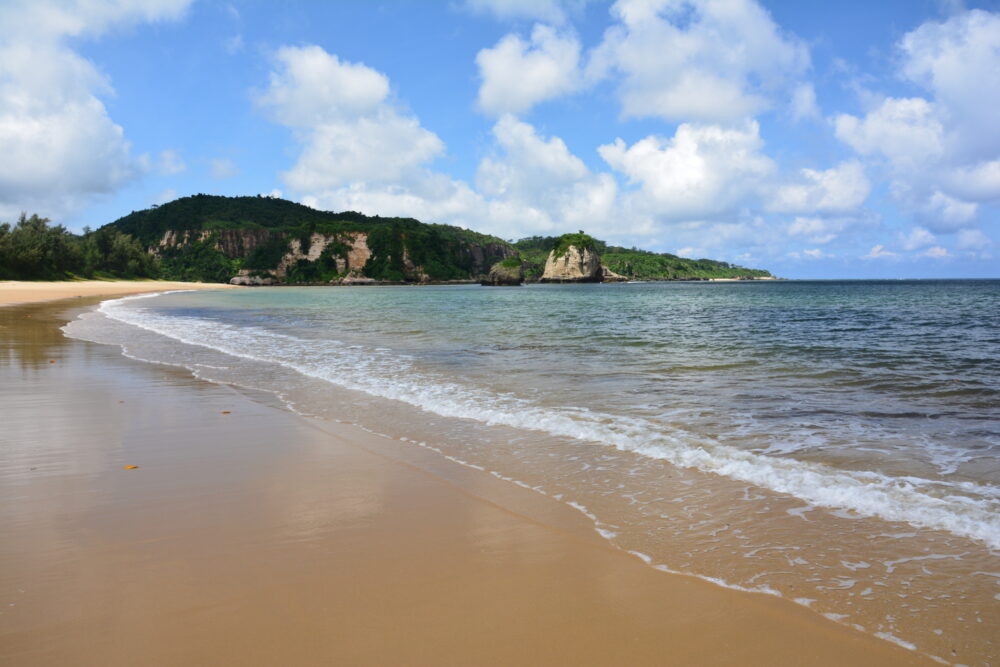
[
  {"x": 269, "y": 240},
  {"x": 195, "y": 240}
]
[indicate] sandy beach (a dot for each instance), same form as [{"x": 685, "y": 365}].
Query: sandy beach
[
  {"x": 247, "y": 534},
  {"x": 16, "y": 291}
]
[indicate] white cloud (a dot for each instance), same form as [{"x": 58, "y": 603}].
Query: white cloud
[
  {"x": 815, "y": 253},
  {"x": 977, "y": 182},
  {"x": 943, "y": 213},
  {"x": 698, "y": 60},
  {"x": 49, "y": 20},
  {"x": 170, "y": 162},
  {"x": 905, "y": 131},
  {"x": 349, "y": 132},
  {"x": 311, "y": 87},
  {"x": 818, "y": 230},
  {"x": 60, "y": 147},
  {"x": 973, "y": 239},
  {"x": 878, "y": 252},
  {"x": 940, "y": 150},
  {"x": 223, "y": 168},
  {"x": 957, "y": 61},
  {"x": 917, "y": 238},
  {"x": 543, "y": 178},
  {"x": 701, "y": 171},
  {"x": 804, "y": 105},
  {"x": 550, "y": 11},
  {"x": 516, "y": 75},
  {"x": 840, "y": 189},
  {"x": 937, "y": 252}
]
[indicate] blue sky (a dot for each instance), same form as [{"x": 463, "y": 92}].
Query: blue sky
[{"x": 814, "y": 139}]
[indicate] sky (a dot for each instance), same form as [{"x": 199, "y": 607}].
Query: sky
[{"x": 814, "y": 139}]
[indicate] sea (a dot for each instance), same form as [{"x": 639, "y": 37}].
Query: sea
[{"x": 834, "y": 443}]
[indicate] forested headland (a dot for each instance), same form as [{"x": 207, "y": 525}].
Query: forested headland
[{"x": 274, "y": 241}]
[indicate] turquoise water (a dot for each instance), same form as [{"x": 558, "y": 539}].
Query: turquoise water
[{"x": 836, "y": 443}]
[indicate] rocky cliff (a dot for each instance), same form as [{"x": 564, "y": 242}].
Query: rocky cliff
[{"x": 574, "y": 265}]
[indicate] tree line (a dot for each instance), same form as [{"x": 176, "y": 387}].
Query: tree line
[{"x": 32, "y": 249}]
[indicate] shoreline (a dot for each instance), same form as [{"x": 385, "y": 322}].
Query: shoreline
[
  {"x": 25, "y": 291},
  {"x": 251, "y": 533}
]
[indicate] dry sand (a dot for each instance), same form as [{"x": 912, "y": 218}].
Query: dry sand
[
  {"x": 16, "y": 291},
  {"x": 249, "y": 535}
]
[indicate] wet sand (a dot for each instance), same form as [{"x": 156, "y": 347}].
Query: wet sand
[
  {"x": 17, "y": 291},
  {"x": 250, "y": 535}
]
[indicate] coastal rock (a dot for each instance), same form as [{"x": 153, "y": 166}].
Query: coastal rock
[
  {"x": 576, "y": 265},
  {"x": 504, "y": 276},
  {"x": 609, "y": 276},
  {"x": 249, "y": 278},
  {"x": 355, "y": 278}
]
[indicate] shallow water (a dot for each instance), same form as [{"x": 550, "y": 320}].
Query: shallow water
[{"x": 836, "y": 443}]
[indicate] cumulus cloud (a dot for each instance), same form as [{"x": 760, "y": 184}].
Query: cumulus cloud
[
  {"x": 973, "y": 239},
  {"x": 917, "y": 238},
  {"x": 840, "y": 189},
  {"x": 349, "y": 131},
  {"x": 60, "y": 146},
  {"x": 940, "y": 150},
  {"x": 879, "y": 252},
  {"x": 699, "y": 60},
  {"x": 543, "y": 178},
  {"x": 956, "y": 60},
  {"x": 905, "y": 131},
  {"x": 937, "y": 252},
  {"x": 702, "y": 170},
  {"x": 516, "y": 75}
]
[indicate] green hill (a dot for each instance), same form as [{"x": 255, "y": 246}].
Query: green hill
[
  {"x": 266, "y": 240},
  {"x": 206, "y": 237}
]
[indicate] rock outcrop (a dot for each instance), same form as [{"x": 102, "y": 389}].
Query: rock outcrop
[
  {"x": 576, "y": 265},
  {"x": 609, "y": 276},
  {"x": 504, "y": 276},
  {"x": 251, "y": 279}
]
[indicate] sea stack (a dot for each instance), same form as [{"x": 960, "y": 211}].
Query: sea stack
[{"x": 573, "y": 260}]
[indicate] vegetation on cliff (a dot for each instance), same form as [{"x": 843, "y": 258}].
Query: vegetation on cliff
[
  {"x": 31, "y": 249},
  {"x": 632, "y": 263}
]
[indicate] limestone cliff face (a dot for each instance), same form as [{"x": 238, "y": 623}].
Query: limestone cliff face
[
  {"x": 351, "y": 253},
  {"x": 577, "y": 265},
  {"x": 232, "y": 242}
]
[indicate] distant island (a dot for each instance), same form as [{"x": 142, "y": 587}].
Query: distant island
[{"x": 270, "y": 241}]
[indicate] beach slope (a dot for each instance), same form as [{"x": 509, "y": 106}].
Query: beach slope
[{"x": 250, "y": 535}]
